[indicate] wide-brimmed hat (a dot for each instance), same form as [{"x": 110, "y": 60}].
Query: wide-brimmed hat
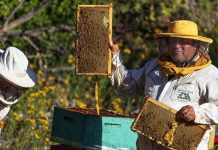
[
  {"x": 183, "y": 29},
  {"x": 14, "y": 68}
]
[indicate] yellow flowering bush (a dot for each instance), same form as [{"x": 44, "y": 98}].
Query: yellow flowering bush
[
  {"x": 116, "y": 105},
  {"x": 127, "y": 51},
  {"x": 2, "y": 124}
]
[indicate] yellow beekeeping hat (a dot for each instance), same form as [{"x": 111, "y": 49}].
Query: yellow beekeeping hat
[{"x": 183, "y": 29}]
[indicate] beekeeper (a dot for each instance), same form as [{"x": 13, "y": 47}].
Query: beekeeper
[
  {"x": 15, "y": 75},
  {"x": 182, "y": 77}
]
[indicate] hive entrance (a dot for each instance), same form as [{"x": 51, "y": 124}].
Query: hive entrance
[{"x": 103, "y": 112}]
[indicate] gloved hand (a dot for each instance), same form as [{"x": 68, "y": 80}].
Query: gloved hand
[{"x": 114, "y": 47}]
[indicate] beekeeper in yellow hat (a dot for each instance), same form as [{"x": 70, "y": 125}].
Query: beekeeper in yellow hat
[{"x": 182, "y": 77}]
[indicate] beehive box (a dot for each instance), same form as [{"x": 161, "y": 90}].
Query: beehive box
[
  {"x": 82, "y": 128},
  {"x": 156, "y": 120},
  {"x": 94, "y": 32},
  {"x": 216, "y": 136},
  {"x": 62, "y": 147}
]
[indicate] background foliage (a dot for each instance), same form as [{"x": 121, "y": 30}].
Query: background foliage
[{"x": 45, "y": 31}]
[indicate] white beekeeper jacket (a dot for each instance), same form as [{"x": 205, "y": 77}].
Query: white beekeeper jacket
[
  {"x": 7, "y": 99},
  {"x": 198, "y": 89}
]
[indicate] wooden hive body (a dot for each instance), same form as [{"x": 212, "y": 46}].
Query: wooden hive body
[
  {"x": 94, "y": 32},
  {"x": 82, "y": 128},
  {"x": 155, "y": 120}
]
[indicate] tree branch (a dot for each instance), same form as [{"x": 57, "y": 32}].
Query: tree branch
[
  {"x": 37, "y": 32},
  {"x": 31, "y": 43},
  {"x": 25, "y": 17},
  {"x": 61, "y": 69},
  {"x": 62, "y": 28},
  {"x": 41, "y": 56},
  {"x": 12, "y": 13}
]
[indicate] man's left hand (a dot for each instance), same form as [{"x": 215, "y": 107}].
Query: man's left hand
[{"x": 187, "y": 113}]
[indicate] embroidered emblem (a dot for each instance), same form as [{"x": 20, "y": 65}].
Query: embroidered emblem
[{"x": 183, "y": 95}]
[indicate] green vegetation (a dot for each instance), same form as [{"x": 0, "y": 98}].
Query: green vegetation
[{"x": 45, "y": 31}]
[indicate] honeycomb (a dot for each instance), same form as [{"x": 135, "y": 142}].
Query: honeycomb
[
  {"x": 94, "y": 31},
  {"x": 158, "y": 123}
]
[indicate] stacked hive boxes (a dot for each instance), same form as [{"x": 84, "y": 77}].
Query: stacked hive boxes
[{"x": 83, "y": 128}]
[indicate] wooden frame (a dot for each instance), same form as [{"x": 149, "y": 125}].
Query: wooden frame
[
  {"x": 94, "y": 32},
  {"x": 156, "y": 119}
]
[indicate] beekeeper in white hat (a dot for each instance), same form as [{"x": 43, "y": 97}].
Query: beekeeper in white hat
[{"x": 15, "y": 74}]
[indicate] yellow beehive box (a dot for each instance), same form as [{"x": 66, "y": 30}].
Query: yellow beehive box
[
  {"x": 94, "y": 32},
  {"x": 158, "y": 122}
]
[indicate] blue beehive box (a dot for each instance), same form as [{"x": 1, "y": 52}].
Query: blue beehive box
[{"x": 84, "y": 129}]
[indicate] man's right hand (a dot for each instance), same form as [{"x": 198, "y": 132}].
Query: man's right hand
[
  {"x": 114, "y": 47},
  {"x": 187, "y": 113}
]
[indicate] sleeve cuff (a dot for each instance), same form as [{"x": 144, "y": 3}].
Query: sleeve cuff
[
  {"x": 117, "y": 59},
  {"x": 200, "y": 116}
]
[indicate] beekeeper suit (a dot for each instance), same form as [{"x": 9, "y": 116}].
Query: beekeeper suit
[
  {"x": 15, "y": 75},
  {"x": 182, "y": 77}
]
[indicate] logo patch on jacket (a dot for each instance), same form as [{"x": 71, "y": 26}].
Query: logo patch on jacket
[{"x": 183, "y": 95}]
